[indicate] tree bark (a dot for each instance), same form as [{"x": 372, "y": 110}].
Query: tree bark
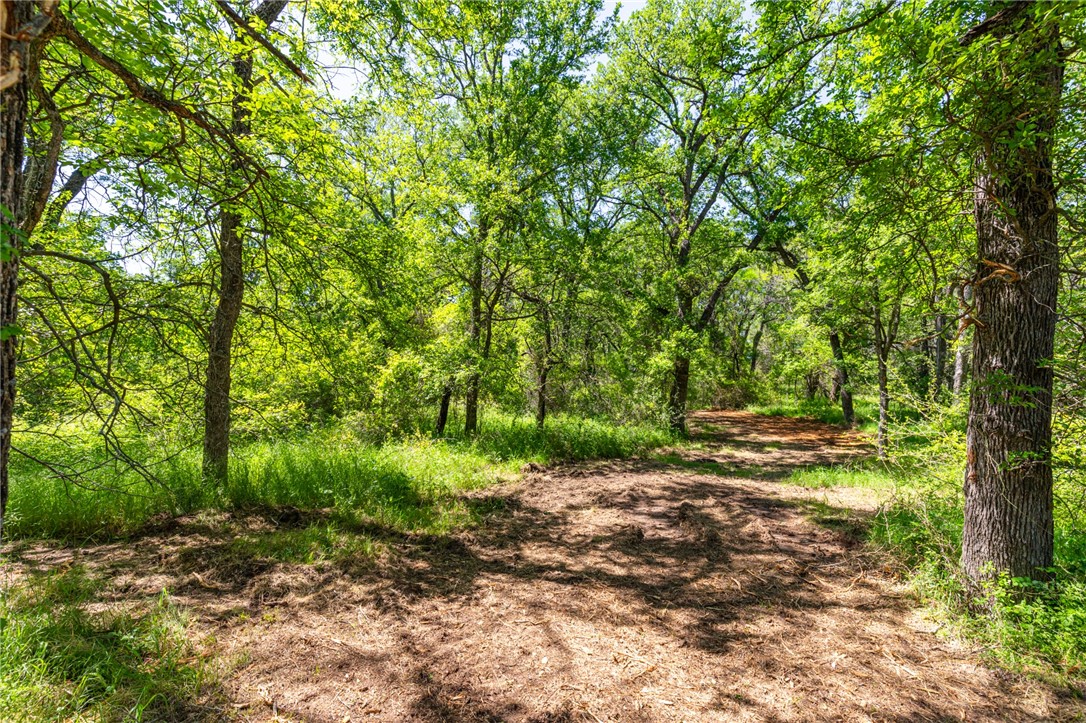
[
  {"x": 443, "y": 410},
  {"x": 220, "y": 341},
  {"x": 940, "y": 354},
  {"x": 754, "y": 347},
  {"x": 541, "y": 399},
  {"x": 231, "y": 246},
  {"x": 841, "y": 379},
  {"x": 1008, "y": 480},
  {"x": 680, "y": 383},
  {"x": 544, "y": 368},
  {"x": 13, "y": 114},
  {"x": 471, "y": 395}
]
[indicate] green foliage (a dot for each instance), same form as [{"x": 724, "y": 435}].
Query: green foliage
[
  {"x": 1029, "y": 626},
  {"x": 531, "y": 205},
  {"x": 872, "y": 476},
  {"x": 60, "y": 661}
]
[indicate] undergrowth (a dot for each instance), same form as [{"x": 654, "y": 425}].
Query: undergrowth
[
  {"x": 1036, "y": 628},
  {"x": 333, "y": 494},
  {"x": 59, "y": 661},
  {"x": 408, "y": 484},
  {"x": 865, "y": 410}
]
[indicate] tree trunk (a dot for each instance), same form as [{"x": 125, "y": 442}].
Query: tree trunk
[
  {"x": 884, "y": 406},
  {"x": 754, "y": 347},
  {"x": 544, "y": 369},
  {"x": 231, "y": 245},
  {"x": 841, "y": 379},
  {"x": 1008, "y": 480},
  {"x": 541, "y": 399},
  {"x": 443, "y": 411},
  {"x": 220, "y": 341},
  {"x": 940, "y": 354},
  {"x": 13, "y": 114},
  {"x": 471, "y": 396},
  {"x": 680, "y": 383}
]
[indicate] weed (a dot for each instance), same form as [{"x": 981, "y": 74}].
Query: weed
[{"x": 60, "y": 662}]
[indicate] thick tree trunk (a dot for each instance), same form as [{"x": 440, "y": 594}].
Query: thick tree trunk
[
  {"x": 13, "y": 114},
  {"x": 676, "y": 403},
  {"x": 841, "y": 379},
  {"x": 1008, "y": 480},
  {"x": 443, "y": 410}
]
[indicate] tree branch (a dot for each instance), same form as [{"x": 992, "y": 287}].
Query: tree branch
[{"x": 232, "y": 15}]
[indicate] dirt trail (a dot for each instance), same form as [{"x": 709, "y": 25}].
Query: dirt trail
[{"x": 688, "y": 588}]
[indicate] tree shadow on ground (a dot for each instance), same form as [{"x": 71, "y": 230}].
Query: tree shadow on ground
[{"x": 731, "y": 587}]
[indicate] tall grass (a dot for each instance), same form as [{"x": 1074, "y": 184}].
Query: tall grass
[{"x": 408, "y": 484}]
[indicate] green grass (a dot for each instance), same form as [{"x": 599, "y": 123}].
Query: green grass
[
  {"x": 1025, "y": 626},
  {"x": 820, "y": 408},
  {"x": 412, "y": 484},
  {"x": 332, "y": 497},
  {"x": 507, "y": 437},
  {"x": 61, "y": 662},
  {"x": 870, "y": 476},
  {"x": 1033, "y": 628}
]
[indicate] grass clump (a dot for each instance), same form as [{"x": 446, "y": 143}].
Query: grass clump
[
  {"x": 59, "y": 661},
  {"x": 564, "y": 437}
]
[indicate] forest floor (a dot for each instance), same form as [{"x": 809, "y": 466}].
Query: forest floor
[{"x": 692, "y": 585}]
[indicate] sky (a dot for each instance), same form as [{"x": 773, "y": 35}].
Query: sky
[
  {"x": 628, "y": 7},
  {"x": 344, "y": 81}
]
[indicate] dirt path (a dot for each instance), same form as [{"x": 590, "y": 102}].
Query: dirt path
[{"x": 693, "y": 588}]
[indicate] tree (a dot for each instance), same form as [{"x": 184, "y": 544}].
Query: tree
[
  {"x": 504, "y": 71},
  {"x": 231, "y": 245},
  {"x": 1008, "y": 479},
  {"x": 681, "y": 65},
  {"x": 17, "y": 32}
]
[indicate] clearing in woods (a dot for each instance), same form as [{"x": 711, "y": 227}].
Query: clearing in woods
[{"x": 688, "y": 587}]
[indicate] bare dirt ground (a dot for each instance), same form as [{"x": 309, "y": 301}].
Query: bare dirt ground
[{"x": 689, "y": 587}]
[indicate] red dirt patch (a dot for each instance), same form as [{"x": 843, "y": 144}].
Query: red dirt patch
[{"x": 643, "y": 590}]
